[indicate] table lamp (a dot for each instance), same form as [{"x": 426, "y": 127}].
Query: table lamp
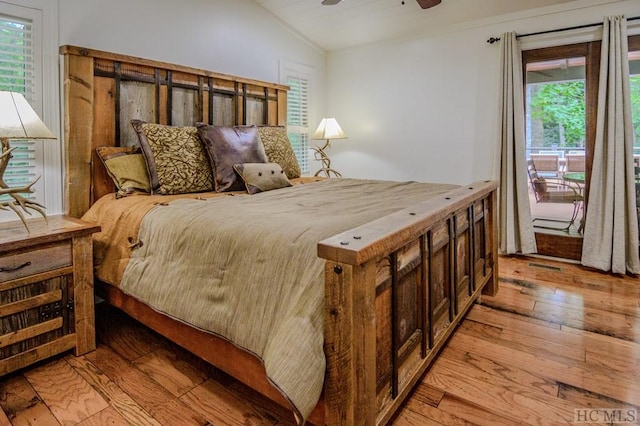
[
  {"x": 18, "y": 121},
  {"x": 328, "y": 129}
]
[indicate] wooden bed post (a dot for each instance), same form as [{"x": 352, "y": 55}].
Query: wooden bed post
[
  {"x": 350, "y": 344},
  {"x": 78, "y": 133},
  {"x": 491, "y": 288}
]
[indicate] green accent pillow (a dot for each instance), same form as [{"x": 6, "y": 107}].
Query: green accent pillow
[
  {"x": 261, "y": 177},
  {"x": 279, "y": 150},
  {"x": 176, "y": 161},
  {"x": 126, "y": 167}
]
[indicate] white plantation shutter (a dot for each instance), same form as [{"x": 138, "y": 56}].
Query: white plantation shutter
[
  {"x": 17, "y": 74},
  {"x": 298, "y": 78}
]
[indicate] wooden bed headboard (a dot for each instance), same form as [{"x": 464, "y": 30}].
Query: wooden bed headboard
[{"x": 104, "y": 91}]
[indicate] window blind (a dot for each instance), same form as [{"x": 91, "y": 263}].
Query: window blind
[
  {"x": 17, "y": 65},
  {"x": 298, "y": 118}
]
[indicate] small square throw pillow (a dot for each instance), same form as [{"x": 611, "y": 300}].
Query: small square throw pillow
[
  {"x": 260, "y": 177},
  {"x": 126, "y": 167},
  {"x": 176, "y": 162},
  {"x": 227, "y": 146}
]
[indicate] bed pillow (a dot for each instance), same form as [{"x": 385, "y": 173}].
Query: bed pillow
[
  {"x": 227, "y": 146},
  {"x": 260, "y": 177},
  {"x": 127, "y": 169},
  {"x": 279, "y": 150},
  {"x": 176, "y": 162}
]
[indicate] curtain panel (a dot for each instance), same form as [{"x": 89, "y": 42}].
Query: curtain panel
[
  {"x": 516, "y": 226},
  {"x": 611, "y": 228}
]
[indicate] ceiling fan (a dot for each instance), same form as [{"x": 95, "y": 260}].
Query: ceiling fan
[{"x": 425, "y": 4}]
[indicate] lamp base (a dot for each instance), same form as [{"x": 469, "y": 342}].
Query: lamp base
[
  {"x": 18, "y": 204},
  {"x": 320, "y": 155},
  {"x": 328, "y": 172}
]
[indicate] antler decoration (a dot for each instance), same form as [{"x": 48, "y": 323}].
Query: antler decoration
[
  {"x": 19, "y": 204},
  {"x": 320, "y": 155}
]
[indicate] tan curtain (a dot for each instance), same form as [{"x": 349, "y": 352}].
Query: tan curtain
[
  {"x": 611, "y": 227},
  {"x": 516, "y": 227}
]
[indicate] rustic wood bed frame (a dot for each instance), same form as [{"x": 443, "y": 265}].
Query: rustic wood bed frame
[{"x": 395, "y": 288}]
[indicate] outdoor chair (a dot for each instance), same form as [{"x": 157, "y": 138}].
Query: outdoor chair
[
  {"x": 575, "y": 163},
  {"x": 548, "y": 165},
  {"x": 550, "y": 190}
]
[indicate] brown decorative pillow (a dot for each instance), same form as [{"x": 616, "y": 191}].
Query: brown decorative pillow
[
  {"x": 227, "y": 146},
  {"x": 175, "y": 159},
  {"x": 278, "y": 149},
  {"x": 260, "y": 177},
  {"x": 126, "y": 167}
]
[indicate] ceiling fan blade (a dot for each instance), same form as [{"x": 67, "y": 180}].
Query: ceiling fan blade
[
  {"x": 426, "y": 4},
  {"x": 330, "y": 2}
]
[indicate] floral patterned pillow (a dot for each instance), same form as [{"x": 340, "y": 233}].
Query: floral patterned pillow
[
  {"x": 176, "y": 161},
  {"x": 278, "y": 148}
]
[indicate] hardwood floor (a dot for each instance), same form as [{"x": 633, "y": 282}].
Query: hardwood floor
[{"x": 557, "y": 338}]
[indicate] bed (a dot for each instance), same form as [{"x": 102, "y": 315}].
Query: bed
[{"x": 394, "y": 282}]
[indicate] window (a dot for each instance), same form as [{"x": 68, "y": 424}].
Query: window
[
  {"x": 298, "y": 78},
  {"x": 29, "y": 65},
  {"x": 17, "y": 75}
]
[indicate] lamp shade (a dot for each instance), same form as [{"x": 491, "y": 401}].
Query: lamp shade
[
  {"x": 329, "y": 129},
  {"x": 18, "y": 120}
]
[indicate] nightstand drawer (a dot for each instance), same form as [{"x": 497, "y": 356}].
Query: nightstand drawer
[{"x": 36, "y": 260}]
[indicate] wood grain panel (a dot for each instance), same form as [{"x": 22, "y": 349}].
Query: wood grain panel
[
  {"x": 119, "y": 400},
  {"x": 184, "y": 107},
  {"x": 138, "y": 101},
  {"x": 30, "y": 356},
  {"x": 70, "y": 398},
  {"x": 178, "y": 379},
  {"x": 104, "y": 133},
  {"x": 21, "y": 404},
  {"x": 147, "y": 393},
  {"x": 78, "y": 129},
  {"x": 83, "y": 295},
  {"x": 34, "y": 261},
  {"x": 29, "y": 332},
  {"x": 30, "y": 303}
]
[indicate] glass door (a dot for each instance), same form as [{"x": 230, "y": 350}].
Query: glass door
[{"x": 558, "y": 112}]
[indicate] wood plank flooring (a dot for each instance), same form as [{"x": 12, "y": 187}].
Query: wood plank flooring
[{"x": 557, "y": 338}]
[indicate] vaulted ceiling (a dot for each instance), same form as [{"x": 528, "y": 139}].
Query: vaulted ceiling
[{"x": 355, "y": 22}]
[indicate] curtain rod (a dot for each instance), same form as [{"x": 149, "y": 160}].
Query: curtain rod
[{"x": 577, "y": 27}]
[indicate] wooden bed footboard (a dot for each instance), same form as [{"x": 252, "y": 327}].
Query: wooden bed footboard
[{"x": 395, "y": 290}]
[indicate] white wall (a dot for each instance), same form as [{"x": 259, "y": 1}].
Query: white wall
[
  {"x": 236, "y": 37},
  {"x": 229, "y": 36},
  {"x": 426, "y": 108}
]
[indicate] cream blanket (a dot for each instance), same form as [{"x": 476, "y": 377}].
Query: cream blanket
[{"x": 246, "y": 267}]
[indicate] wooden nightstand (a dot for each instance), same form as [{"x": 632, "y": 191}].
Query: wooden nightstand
[{"x": 46, "y": 290}]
